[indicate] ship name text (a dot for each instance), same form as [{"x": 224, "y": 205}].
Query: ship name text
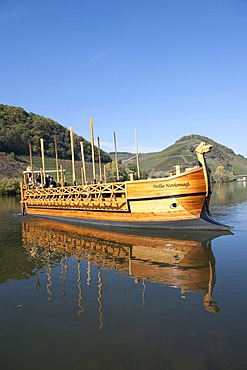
[{"x": 171, "y": 185}]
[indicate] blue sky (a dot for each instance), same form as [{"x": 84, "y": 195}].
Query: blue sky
[{"x": 168, "y": 68}]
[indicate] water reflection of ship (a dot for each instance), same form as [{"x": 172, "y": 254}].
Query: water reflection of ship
[{"x": 177, "y": 260}]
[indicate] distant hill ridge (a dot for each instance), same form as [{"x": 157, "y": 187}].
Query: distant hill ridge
[
  {"x": 183, "y": 152},
  {"x": 17, "y": 127}
]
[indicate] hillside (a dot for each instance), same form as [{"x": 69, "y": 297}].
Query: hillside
[
  {"x": 10, "y": 166},
  {"x": 183, "y": 152},
  {"x": 17, "y": 128}
]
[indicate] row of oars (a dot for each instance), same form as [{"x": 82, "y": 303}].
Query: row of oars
[{"x": 60, "y": 179}]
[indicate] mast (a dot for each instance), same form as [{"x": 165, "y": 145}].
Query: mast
[
  {"x": 116, "y": 156},
  {"x": 92, "y": 146},
  {"x": 72, "y": 154},
  {"x": 56, "y": 155},
  {"x": 41, "y": 178},
  {"x": 137, "y": 157},
  {"x": 31, "y": 160},
  {"x": 100, "y": 172},
  {"x": 62, "y": 176},
  {"x": 43, "y": 158},
  {"x": 83, "y": 163},
  {"x": 105, "y": 173}
]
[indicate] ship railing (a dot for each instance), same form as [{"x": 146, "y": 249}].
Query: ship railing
[{"x": 111, "y": 195}]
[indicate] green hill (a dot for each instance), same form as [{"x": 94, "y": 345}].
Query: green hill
[
  {"x": 183, "y": 152},
  {"x": 17, "y": 128}
]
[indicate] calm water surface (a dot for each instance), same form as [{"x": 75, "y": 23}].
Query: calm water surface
[{"x": 77, "y": 298}]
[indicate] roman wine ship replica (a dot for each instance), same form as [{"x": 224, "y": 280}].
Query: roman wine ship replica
[{"x": 178, "y": 201}]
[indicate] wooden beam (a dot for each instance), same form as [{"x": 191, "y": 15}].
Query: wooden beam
[
  {"x": 43, "y": 158},
  {"x": 100, "y": 172},
  {"x": 137, "y": 157},
  {"x": 31, "y": 160},
  {"x": 116, "y": 156},
  {"x": 105, "y": 173},
  {"x": 84, "y": 177},
  {"x": 72, "y": 155},
  {"x": 56, "y": 155},
  {"x": 92, "y": 146}
]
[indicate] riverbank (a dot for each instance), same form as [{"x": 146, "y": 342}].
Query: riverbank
[{"x": 10, "y": 186}]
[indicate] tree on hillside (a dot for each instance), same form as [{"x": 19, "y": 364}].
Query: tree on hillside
[
  {"x": 17, "y": 128},
  {"x": 111, "y": 172},
  {"x": 222, "y": 175}
]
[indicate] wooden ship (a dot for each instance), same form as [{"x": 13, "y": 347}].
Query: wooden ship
[
  {"x": 184, "y": 262},
  {"x": 174, "y": 202}
]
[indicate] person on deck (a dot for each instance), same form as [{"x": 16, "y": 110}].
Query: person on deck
[
  {"x": 52, "y": 183},
  {"x": 38, "y": 179},
  {"x": 47, "y": 181}
]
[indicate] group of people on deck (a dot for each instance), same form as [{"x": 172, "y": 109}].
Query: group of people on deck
[{"x": 49, "y": 181}]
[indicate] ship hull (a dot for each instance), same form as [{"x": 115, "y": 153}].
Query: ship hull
[
  {"x": 193, "y": 224},
  {"x": 178, "y": 202}
]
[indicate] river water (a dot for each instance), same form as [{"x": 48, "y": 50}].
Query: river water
[{"x": 77, "y": 298}]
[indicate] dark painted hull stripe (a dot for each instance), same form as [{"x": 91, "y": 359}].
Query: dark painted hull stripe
[{"x": 196, "y": 224}]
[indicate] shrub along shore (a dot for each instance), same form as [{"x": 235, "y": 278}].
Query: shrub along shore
[{"x": 10, "y": 186}]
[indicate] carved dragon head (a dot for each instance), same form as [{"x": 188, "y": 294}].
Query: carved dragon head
[{"x": 203, "y": 148}]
